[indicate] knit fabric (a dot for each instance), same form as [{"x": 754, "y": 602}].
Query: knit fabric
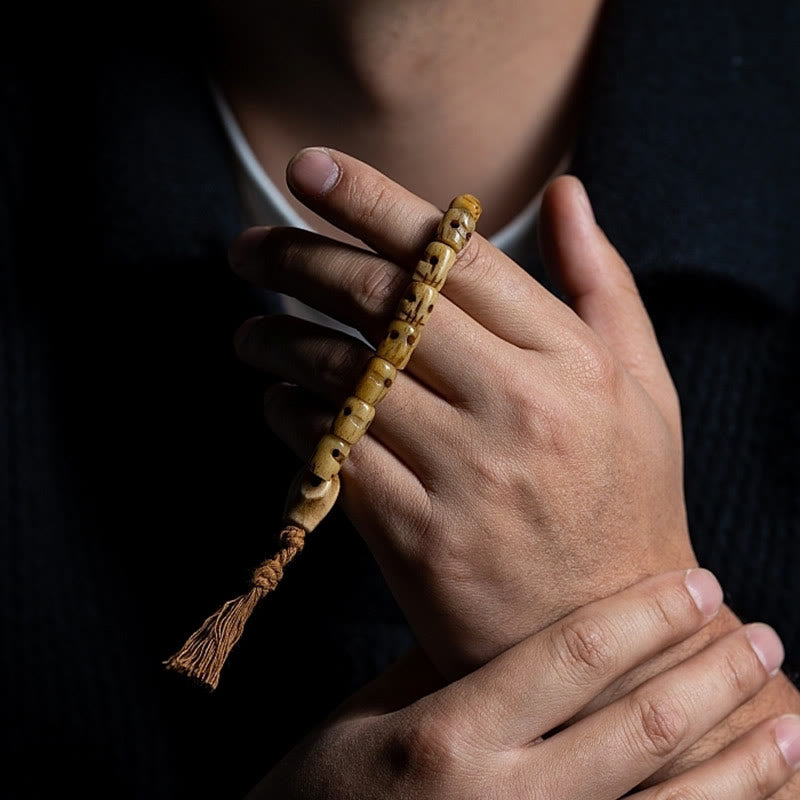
[{"x": 136, "y": 492}]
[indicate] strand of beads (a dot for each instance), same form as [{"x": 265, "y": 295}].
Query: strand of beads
[
  {"x": 316, "y": 487},
  {"x": 392, "y": 353}
]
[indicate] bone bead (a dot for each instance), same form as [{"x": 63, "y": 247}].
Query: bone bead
[
  {"x": 399, "y": 343},
  {"x": 470, "y": 203},
  {"x": 310, "y": 499},
  {"x": 353, "y": 420},
  {"x": 376, "y": 380},
  {"x": 456, "y": 228},
  {"x": 417, "y": 304},
  {"x": 435, "y": 264},
  {"x": 329, "y": 456}
]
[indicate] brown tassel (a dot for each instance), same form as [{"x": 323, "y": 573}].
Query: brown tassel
[{"x": 205, "y": 652}]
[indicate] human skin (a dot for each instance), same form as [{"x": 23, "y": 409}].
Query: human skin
[
  {"x": 379, "y": 78},
  {"x": 590, "y": 439},
  {"x": 405, "y": 735}
]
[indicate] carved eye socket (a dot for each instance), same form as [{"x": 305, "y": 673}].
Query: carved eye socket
[
  {"x": 433, "y": 260},
  {"x": 453, "y": 223},
  {"x": 347, "y": 411},
  {"x": 336, "y": 452},
  {"x": 411, "y": 297},
  {"x": 393, "y": 334},
  {"x": 430, "y": 308},
  {"x": 387, "y": 383},
  {"x": 411, "y": 338}
]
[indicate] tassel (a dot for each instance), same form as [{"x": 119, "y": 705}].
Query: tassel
[{"x": 207, "y": 649}]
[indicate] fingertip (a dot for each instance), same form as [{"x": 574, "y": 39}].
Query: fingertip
[
  {"x": 243, "y": 251},
  {"x": 567, "y": 229},
  {"x": 313, "y": 172},
  {"x": 705, "y": 591},
  {"x": 787, "y": 737},
  {"x": 243, "y": 336}
]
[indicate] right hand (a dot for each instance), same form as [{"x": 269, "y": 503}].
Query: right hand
[{"x": 507, "y": 730}]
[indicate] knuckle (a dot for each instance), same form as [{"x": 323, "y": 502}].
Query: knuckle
[
  {"x": 338, "y": 365},
  {"x": 667, "y": 609},
  {"x": 540, "y": 417},
  {"x": 427, "y": 749},
  {"x": 474, "y": 266},
  {"x": 740, "y": 672},
  {"x": 377, "y": 289},
  {"x": 585, "y": 649},
  {"x": 282, "y": 250},
  {"x": 758, "y": 773},
  {"x": 592, "y": 366},
  {"x": 660, "y": 724},
  {"x": 372, "y": 197}
]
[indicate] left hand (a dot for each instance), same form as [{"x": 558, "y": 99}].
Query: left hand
[{"x": 528, "y": 460}]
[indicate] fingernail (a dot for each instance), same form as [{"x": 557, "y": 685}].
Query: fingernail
[
  {"x": 583, "y": 199},
  {"x": 243, "y": 252},
  {"x": 313, "y": 172},
  {"x": 787, "y": 735},
  {"x": 767, "y": 646},
  {"x": 242, "y": 339},
  {"x": 705, "y": 591}
]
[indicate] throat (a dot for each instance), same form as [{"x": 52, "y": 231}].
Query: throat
[{"x": 442, "y": 112}]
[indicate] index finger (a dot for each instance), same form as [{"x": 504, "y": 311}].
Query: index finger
[{"x": 397, "y": 224}]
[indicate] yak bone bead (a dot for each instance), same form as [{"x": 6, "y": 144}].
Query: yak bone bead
[
  {"x": 456, "y": 227},
  {"x": 329, "y": 456},
  {"x": 417, "y": 303},
  {"x": 468, "y": 202},
  {"x": 399, "y": 343},
  {"x": 310, "y": 499},
  {"x": 435, "y": 264},
  {"x": 352, "y": 421},
  {"x": 378, "y": 376}
]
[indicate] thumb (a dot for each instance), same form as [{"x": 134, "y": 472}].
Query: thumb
[{"x": 600, "y": 287}]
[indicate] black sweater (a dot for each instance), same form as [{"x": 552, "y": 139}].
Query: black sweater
[{"x": 135, "y": 494}]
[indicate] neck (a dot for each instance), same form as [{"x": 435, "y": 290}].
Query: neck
[{"x": 443, "y": 97}]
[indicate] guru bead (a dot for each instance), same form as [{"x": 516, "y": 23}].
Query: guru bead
[{"x": 310, "y": 499}]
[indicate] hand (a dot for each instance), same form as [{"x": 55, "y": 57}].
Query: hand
[
  {"x": 498, "y": 732},
  {"x": 528, "y": 459}
]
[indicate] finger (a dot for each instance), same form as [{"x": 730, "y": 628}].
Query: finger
[
  {"x": 600, "y": 286},
  {"x": 649, "y": 727},
  {"x": 363, "y": 291},
  {"x": 544, "y": 680},
  {"x": 348, "y": 283},
  {"x": 329, "y": 364},
  {"x": 299, "y": 419},
  {"x": 398, "y": 225},
  {"x": 753, "y": 768}
]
